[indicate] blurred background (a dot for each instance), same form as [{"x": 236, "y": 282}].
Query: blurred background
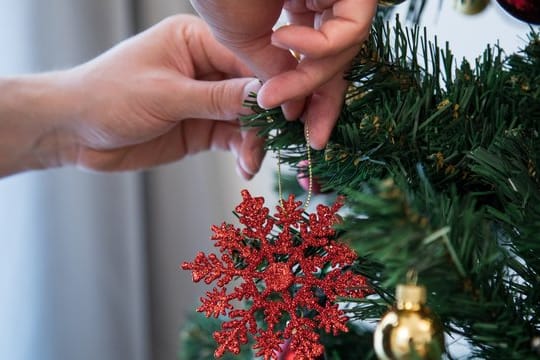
[{"x": 89, "y": 263}]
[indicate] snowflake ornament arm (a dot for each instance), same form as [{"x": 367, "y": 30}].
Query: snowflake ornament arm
[{"x": 291, "y": 273}]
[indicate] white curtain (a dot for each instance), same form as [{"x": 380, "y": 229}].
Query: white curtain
[
  {"x": 89, "y": 267},
  {"x": 72, "y": 260}
]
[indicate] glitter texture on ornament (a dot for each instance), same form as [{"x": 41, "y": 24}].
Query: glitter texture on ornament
[{"x": 287, "y": 270}]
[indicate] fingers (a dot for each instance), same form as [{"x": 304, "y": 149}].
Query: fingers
[
  {"x": 307, "y": 5},
  {"x": 315, "y": 43},
  {"x": 208, "y": 55},
  {"x": 307, "y": 78},
  {"x": 297, "y": 13},
  {"x": 251, "y": 153},
  {"x": 246, "y": 146},
  {"x": 319, "y": 5},
  {"x": 236, "y": 21},
  {"x": 328, "y": 34},
  {"x": 221, "y": 100},
  {"x": 323, "y": 111},
  {"x": 323, "y": 78},
  {"x": 245, "y": 27},
  {"x": 217, "y": 100},
  {"x": 188, "y": 137},
  {"x": 347, "y": 25},
  {"x": 268, "y": 61}
]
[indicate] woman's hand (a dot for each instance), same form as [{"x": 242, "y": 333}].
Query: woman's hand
[
  {"x": 326, "y": 34},
  {"x": 168, "y": 92}
]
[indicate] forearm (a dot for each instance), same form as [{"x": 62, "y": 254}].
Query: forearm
[{"x": 32, "y": 118}]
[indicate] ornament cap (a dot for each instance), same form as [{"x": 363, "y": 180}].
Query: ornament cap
[{"x": 410, "y": 297}]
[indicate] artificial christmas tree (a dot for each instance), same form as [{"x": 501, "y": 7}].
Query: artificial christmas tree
[{"x": 438, "y": 168}]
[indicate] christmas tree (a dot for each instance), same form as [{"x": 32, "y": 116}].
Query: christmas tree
[{"x": 435, "y": 162}]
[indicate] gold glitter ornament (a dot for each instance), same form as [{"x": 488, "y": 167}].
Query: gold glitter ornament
[
  {"x": 388, "y": 3},
  {"x": 470, "y": 7},
  {"x": 409, "y": 330},
  {"x": 535, "y": 344}
]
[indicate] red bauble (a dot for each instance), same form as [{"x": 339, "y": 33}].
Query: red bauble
[
  {"x": 524, "y": 10},
  {"x": 288, "y": 354},
  {"x": 303, "y": 178}
]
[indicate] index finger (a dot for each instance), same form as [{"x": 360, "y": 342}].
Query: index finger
[{"x": 348, "y": 24}]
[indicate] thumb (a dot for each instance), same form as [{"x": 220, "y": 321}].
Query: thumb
[{"x": 216, "y": 100}]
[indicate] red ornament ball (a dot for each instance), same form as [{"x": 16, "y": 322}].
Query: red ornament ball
[
  {"x": 524, "y": 10},
  {"x": 287, "y": 353},
  {"x": 303, "y": 178}
]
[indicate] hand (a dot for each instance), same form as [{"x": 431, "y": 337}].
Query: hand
[
  {"x": 327, "y": 34},
  {"x": 165, "y": 94},
  {"x": 157, "y": 97}
]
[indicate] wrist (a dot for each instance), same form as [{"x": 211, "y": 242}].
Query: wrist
[{"x": 34, "y": 118}]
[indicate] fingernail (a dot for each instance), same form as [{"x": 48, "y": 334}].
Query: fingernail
[
  {"x": 244, "y": 174},
  {"x": 239, "y": 170},
  {"x": 245, "y": 166},
  {"x": 252, "y": 87},
  {"x": 262, "y": 98}
]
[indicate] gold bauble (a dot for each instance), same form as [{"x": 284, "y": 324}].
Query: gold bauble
[
  {"x": 535, "y": 344},
  {"x": 409, "y": 330},
  {"x": 388, "y": 3},
  {"x": 470, "y": 7}
]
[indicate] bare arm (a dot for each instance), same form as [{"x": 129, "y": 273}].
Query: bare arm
[
  {"x": 166, "y": 93},
  {"x": 32, "y": 110}
]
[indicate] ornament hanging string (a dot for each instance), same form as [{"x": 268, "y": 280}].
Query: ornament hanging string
[
  {"x": 309, "y": 171},
  {"x": 298, "y": 58}
]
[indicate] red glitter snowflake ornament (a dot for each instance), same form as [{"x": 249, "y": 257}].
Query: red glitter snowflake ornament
[{"x": 290, "y": 271}]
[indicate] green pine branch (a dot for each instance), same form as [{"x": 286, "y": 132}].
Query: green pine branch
[{"x": 439, "y": 164}]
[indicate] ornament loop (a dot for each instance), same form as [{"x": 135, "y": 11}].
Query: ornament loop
[{"x": 412, "y": 277}]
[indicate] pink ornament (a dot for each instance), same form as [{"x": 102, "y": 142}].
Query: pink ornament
[
  {"x": 287, "y": 353},
  {"x": 303, "y": 178}
]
